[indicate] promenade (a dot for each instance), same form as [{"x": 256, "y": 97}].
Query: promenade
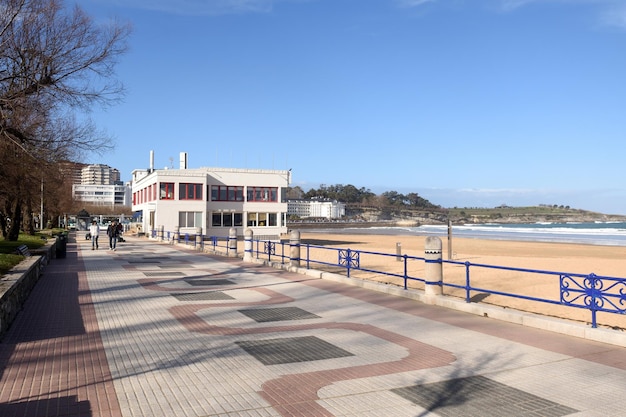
[{"x": 155, "y": 330}]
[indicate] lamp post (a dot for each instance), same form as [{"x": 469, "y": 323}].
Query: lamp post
[
  {"x": 449, "y": 239},
  {"x": 41, "y": 207}
]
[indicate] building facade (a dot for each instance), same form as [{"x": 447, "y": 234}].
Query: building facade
[
  {"x": 99, "y": 174},
  {"x": 102, "y": 195},
  {"x": 101, "y": 185},
  {"x": 328, "y": 209},
  {"x": 211, "y": 201}
]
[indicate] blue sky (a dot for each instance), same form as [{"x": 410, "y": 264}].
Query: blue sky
[{"x": 470, "y": 103}]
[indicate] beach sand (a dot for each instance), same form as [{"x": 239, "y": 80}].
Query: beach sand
[{"x": 562, "y": 258}]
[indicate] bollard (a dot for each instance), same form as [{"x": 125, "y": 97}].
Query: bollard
[
  {"x": 176, "y": 234},
  {"x": 199, "y": 238},
  {"x": 434, "y": 267},
  {"x": 247, "y": 245},
  {"x": 398, "y": 251},
  {"x": 161, "y": 233},
  {"x": 232, "y": 242},
  {"x": 294, "y": 248}
]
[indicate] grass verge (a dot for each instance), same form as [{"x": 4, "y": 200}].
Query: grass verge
[{"x": 8, "y": 257}]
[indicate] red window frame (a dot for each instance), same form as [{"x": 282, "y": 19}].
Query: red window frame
[{"x": 189, "y": 191}]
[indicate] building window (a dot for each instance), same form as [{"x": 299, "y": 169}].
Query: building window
[
  {"x": 227, "y": 219},
  {"x": 166, "y": 191},
  {"x": 226, "y": 193},
  {"x": 190, "y": 219},
  {"x": 262, "y": 219},
  {"x": 266, "y": 194},
  {"x": 189, "y": 191}
]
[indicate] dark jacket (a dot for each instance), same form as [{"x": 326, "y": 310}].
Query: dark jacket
[{"x": 113, "y": 231}]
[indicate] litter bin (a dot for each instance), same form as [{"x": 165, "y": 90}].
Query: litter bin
[{"x": 61, "y": 246}]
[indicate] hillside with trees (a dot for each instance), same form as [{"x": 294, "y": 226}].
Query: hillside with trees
[{"x": 391, "y": 206}]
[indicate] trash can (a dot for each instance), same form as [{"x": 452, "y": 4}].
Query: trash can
[{"x": 61, "y": 248}]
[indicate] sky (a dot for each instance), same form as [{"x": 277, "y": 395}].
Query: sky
[{"x": 469, "y": 103}]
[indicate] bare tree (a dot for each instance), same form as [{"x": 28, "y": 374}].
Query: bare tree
[{"x": 54, "y": 62}]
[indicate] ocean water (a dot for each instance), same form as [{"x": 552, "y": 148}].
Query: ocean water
[{"x": 607, "y": 234}]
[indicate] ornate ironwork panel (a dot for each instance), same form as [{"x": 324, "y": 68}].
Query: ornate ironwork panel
[
  {"x": 594, "y": 292},
  {"x": 350, "y": 259},
  {"x": 269, "y": 248}
]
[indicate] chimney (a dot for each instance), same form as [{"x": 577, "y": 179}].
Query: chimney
[
  {"x": 151, "y": 161},
  {"x": 183, "y": 160}
]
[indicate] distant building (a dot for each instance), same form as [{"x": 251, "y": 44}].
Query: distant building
[
  {"x": 328, "y": 209},
  {"x": 211, "y": 201},
  {"x": 72, "y": 172},
  {"x": 102, "y": 195},
  {"x": 101, "y": 185},
  {"x": 99, "y": 174}
]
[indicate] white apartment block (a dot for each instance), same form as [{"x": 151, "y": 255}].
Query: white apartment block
[
  {"x": 329, "y": 209},
  {"x": 100, "y": 185},
  {"x": 102, "y": 195},
  {"x": 211, "y": 201},
  {"x": 99, "y": 174}
]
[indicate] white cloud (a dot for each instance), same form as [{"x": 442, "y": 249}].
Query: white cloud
[
  {"x": 413, "y": 3},
  {"x": 614, "y": 16},
  {"x": 201, "y": 7},
  {"x": 509, "y": 5},
  {"x": 608, "y": 12}
]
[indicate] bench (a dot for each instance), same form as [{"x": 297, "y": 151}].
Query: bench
[{"x": 23, "y": 250}]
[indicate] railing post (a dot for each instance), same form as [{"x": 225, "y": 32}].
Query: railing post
[
  {"x": 198, "y": 238},
  {"x": 434, "y": 267},
  {"x": 232, "y": 242},
  {"x": 294, "y": 248},
  {"x": 247, "y": 245}
]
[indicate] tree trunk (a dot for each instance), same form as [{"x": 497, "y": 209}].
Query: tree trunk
[
  {"x": 16, "y": 222},
  {"x": 29, "y": 226}
]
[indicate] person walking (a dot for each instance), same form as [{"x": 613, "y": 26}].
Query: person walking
[
  {"x": 94, "y": 231},
  {"x": 113, "y": 232}
]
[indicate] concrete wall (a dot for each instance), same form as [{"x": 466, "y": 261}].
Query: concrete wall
[{"x": 17, "y": 284}]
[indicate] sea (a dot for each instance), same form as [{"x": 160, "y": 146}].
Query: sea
[{"x": 597, "y": 233}]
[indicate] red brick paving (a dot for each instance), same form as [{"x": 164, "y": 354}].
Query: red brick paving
[{"x": 52, "y": 359}]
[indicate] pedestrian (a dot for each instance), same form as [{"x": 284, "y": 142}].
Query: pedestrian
[
  {"x": 94, "y": 231},
  {"x": 113, "y": 232}
]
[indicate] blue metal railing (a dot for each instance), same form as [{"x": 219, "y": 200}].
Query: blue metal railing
[{"x": 582, "y": 291}]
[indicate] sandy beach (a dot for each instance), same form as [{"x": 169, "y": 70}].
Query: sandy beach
[{"x": 557, "y": 257}]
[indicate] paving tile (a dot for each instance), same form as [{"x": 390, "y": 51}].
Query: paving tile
[{"x": 167, "y": 331}]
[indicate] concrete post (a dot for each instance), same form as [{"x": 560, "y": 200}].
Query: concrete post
[
  {"x": 247, "y": 245},
  {"x": 434, "y": 267},
  {"x": 398, "y": 251},
  {"x": 176, "y": 234},
  {"x": 161, "y": 233},
  {"x": 294, "y": 248},
  {"x": 199, "y": 238},
  {"x": 232, "y": 242}
]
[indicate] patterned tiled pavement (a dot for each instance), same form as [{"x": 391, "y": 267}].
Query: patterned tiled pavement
[{"x": 157, "y": 330}]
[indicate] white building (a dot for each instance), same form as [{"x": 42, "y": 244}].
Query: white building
[
  {"x": 329, "y": 209},
  {"x": 100, "y": 185},
  {"x": 99, "y": 174},
  {"x": 210, "y": 201},
  {"x": 102, "y": 195}
]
